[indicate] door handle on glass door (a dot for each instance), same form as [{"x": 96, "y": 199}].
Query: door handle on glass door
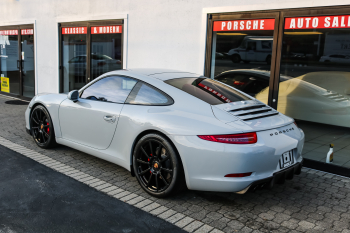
[{"x": 110, "y": 119}]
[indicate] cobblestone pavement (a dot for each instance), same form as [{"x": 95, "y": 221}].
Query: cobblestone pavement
[{"x": 312, "y": 202}]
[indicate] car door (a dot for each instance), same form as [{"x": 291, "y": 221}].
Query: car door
[
  {"x": 251, "y": 51},
  {"x": 92, "y": 120}
]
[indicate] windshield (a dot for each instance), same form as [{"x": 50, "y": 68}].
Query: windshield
[{"x": 208, "y": 90}]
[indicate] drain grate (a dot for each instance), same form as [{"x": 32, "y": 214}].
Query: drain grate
[{"x": 16, "y": 102}]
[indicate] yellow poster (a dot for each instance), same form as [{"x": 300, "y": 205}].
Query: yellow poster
[{"x": 5, "y": 84}]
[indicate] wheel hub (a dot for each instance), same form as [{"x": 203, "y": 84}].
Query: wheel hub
[{"x": 156, "y": 166}]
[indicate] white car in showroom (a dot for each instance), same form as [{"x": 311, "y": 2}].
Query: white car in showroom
[{"x": 172, "y": 129}]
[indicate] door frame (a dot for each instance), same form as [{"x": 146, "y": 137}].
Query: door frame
[
  {"x": 87, "y": 24},
  {"x": 18, "y": 28}
]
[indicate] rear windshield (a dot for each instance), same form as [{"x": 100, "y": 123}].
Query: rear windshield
[{"x": 208, "y": 90}]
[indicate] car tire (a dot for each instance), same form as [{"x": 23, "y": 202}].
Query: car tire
[
  {"x": 236, "y": 58},
  {"x": 157, "y": 166},
  {"x": 268, "y": 60},
  {"x": 41, "y": 128}
]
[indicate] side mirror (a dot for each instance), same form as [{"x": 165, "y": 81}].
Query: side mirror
[{"x": 73, "y": 96}]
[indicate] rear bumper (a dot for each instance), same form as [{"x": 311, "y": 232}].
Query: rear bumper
[
  {"x": 206, "y": 163},
  {"x": 277, "y": 178}
]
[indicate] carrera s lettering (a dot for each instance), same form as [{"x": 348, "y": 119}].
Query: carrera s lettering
[{"x": 282, "y": 131}]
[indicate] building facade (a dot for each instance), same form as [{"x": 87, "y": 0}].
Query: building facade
[{"x": 292, "y": 55}]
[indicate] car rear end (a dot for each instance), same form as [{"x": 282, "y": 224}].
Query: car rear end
[{"x": 267, "y": 149}]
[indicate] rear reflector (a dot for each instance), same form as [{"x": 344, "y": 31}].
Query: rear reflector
[
  {"x": 239, "y": 174},
  {"x": 244, "y": 138}
]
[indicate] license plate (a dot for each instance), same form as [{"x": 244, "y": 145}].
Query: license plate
[{"x": 287, "y": 159}]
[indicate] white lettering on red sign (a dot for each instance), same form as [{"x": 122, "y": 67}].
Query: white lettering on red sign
[
  {"x": 106, "y": 29},
  {"x": 74, "y": 30},
  {"x": 214, "y": 92},
  {"x": 338, "y": 21},
  {"x": 244, "y": 25},
  {"x": 27, "y": 32},
  {"x": 8, "y": 32}
]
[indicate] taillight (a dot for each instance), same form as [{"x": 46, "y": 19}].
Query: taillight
[
  {"x": 244, "y": 138},
  {"x": 101, "y": 63},
  {"x": 239, "y": 174}
]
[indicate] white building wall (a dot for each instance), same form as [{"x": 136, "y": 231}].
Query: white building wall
[{"x": 160, "y": 34}]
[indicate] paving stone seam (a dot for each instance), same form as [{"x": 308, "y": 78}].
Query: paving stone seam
[{"x": 173, "y": 217}]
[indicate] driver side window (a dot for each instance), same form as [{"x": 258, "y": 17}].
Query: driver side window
[{"x": 110, "y": 89}]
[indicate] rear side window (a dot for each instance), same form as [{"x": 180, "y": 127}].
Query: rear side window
[
  {"x": 110, "y": 89},
  {"x": 208, "y": 90},
  {"x": 144, "y": 94}
]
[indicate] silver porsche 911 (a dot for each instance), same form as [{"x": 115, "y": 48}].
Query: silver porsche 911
[{"x": 172, "y": 129}]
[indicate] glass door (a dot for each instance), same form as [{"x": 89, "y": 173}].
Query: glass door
[
  {"x": 106, "y": 49},
  {"x": 87, "y": 50},
  {"x": 17, "y": 61},
  {"x": 74, "y": 57},
  {"x": 243, "y": 52},
  {"x": 27, "y": 62},
  {"x": 10, "y": 62}
]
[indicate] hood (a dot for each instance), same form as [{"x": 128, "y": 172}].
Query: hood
[{"x": 251, "y": 115}]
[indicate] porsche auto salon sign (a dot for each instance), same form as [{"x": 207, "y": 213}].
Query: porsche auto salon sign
[
  {"x": 106, "y": 29},
  {"x": 8, "y": 32},
  {"x": 74, "y": 30},
  {"x": 338, "y": 21},
  {"x": 244, "y": 25}
]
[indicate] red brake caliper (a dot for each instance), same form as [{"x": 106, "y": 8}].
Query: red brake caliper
[{"x": 48, "y": 129}]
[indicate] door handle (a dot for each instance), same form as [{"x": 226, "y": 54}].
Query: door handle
[{"x": 110, "y": 119}]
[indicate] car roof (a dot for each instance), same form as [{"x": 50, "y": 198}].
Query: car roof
[{"x": 162, "y": 74}]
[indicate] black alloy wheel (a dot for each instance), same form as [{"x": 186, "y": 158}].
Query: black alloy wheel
[
  {"x": 41, "y": 127},
  {"x": 157, "y": 166}
]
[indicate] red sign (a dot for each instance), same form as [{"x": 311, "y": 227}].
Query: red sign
[
  {"x": 244, "y": 25},
  {"x": 8, "y": 32},
  {"x": 106, "y": 29},
  {"x": 74, "y": 30},
  {"x": 214, "y": 92},
  {"x": 338, "y": 21},
  {"x": 27, "y": 32}
]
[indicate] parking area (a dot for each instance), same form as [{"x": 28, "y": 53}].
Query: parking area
[{"x": 312, "y": 202}]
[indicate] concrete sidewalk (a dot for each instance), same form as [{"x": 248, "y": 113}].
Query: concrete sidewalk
[{"x": 312, "y": 202}]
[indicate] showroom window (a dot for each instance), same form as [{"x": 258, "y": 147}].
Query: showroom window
[
  {"x": 308, "y": 77},
  {"x": 88, "y": 50},
  {"x": 315, "y": 82},
  {"x": 17, "y": 61}
]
